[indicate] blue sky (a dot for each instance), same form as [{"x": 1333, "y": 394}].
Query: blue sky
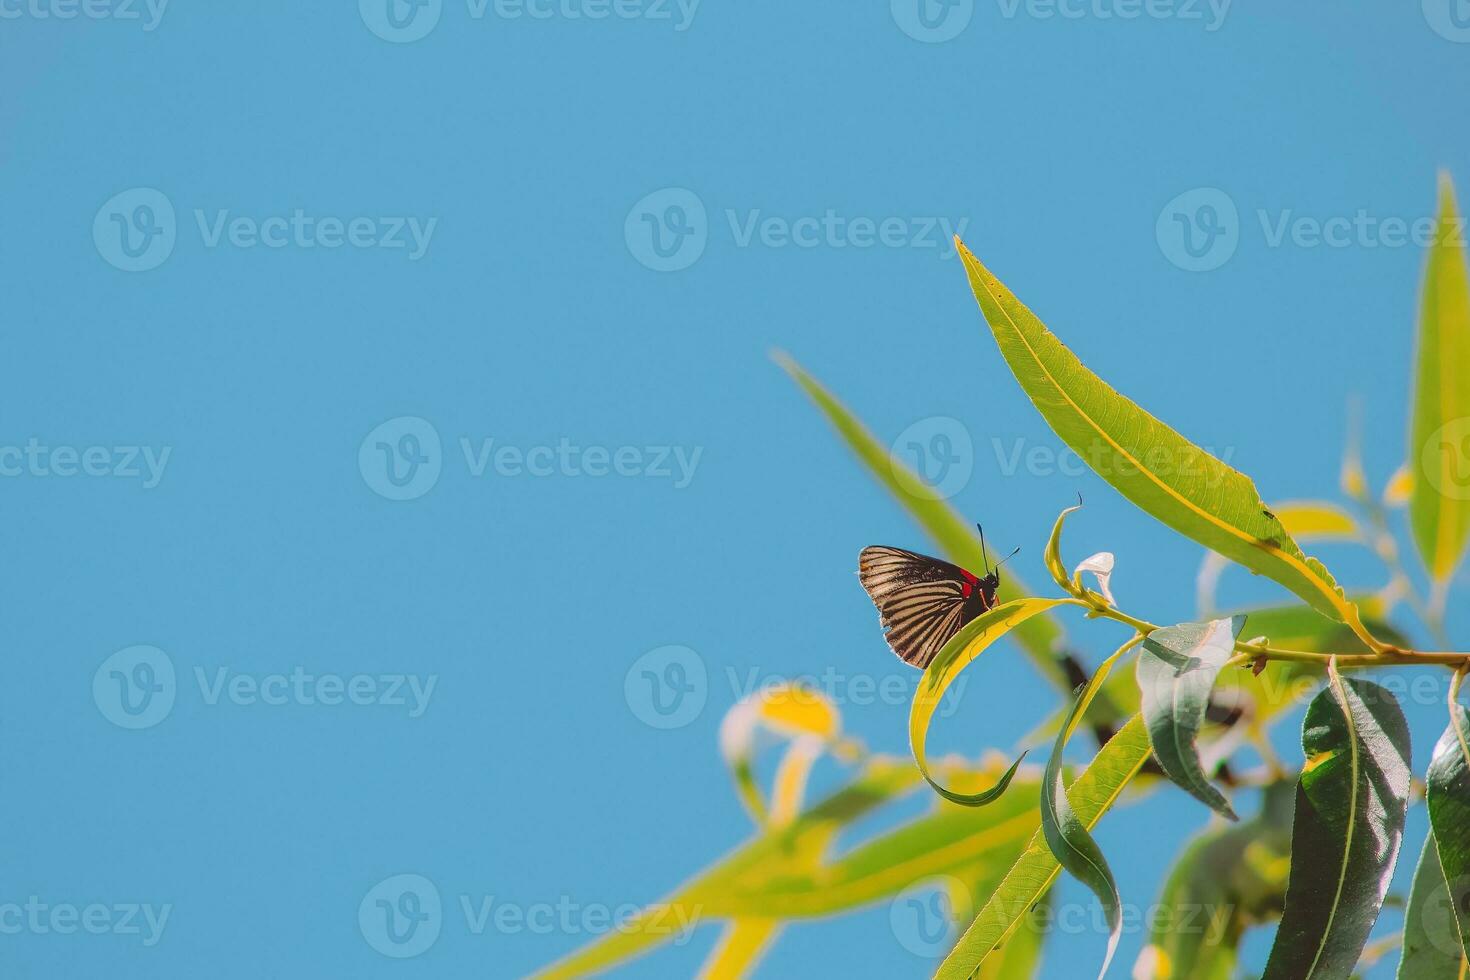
[{"x": 398, "y": 382}]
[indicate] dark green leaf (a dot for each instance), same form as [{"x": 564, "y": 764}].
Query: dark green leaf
[
  {"x": 1448, "y": 799},
  {"x": 1176, "y": 673},
  {"x": 1431, "y": 938},
  {"x": 1349, "y": 823}
]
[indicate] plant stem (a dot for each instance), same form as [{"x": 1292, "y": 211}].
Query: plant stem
[{"x": 1097, "y": 608}]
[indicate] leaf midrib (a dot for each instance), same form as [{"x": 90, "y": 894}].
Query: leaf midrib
[
  {"x": 1298, "y": 565},
  {"x": 1354, "y": 762}
]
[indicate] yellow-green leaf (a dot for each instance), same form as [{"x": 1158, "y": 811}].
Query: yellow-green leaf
[
  {"x": 1149, "y": 463},
  {"x": 739, "y": 949},
  {"x": 947, "y": 664},
  {"x": 1305, "y": 520},
  {"x": 1033, "y": 873},
  {"x": 1040, "y": 636},
  {"x": 1439, "y": 438}
]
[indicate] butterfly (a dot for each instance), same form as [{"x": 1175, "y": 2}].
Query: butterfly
[{"x": 923, "y": 602}]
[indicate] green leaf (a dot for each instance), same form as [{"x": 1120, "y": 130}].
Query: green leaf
[
  {"x": 1304, "y": 520},
  {"x": 1350, "y": 806},
  {"x": 744, "y": 942},
  {"x": 959, "y": 653},
  {"x": 1431, "y": 938},
  {"x": 1041, "y": 636},
  {"x": 1448, "y": 799},
  {"x": 1065, "y": 834},
  {"x": 1020, "y": 957},
  {"x": 1090, "y": 796},
  {"x": 1149, "y": 463},
  {"x": 1176, "y": 673},
  {"x": 1226, "y": 878},
  {"x": 1439, "y": 504}
]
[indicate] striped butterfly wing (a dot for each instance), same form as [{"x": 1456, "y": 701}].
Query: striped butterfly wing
[{"x": 921, "y": 601}]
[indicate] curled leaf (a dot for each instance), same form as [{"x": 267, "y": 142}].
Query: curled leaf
[
  {"x": 1090, "y": 796},
  {"x": 1176, "y": 673},
  {"x": 964, "y": 647},
  {"x": 1066, "y": 835}
]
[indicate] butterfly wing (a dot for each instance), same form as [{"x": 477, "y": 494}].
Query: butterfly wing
[{"x": 922, "y": 601}]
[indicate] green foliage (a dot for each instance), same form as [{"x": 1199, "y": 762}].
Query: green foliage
[
  {"x": 1320, "y": 852},
  {"x": 1176, "y": 673},
  {"x": 1448, "y": 799},
  {"x": 1350, "y": 807},
  {"x": 1227, "y": 878},
  {"x": 1439, "y": 506}
]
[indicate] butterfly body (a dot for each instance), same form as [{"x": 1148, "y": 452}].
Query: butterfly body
[{"x": 922, "y": 602}]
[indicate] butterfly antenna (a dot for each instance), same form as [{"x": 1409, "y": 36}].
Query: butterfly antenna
[
  {"x": 983, "y": 556},
  {"x": 1002, "y": 562}
]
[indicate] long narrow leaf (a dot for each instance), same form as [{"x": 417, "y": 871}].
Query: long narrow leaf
[
  {"x": 1039, "y": 637},
  {"x": 1439, "y": 503},
  {"x": 1176, "y": 673},
  {"x": 947, "y": 664},
  {"x": 1066, "y": 835},
  {"x": 1149, "y": 463},
  {"x": 739, "y": 949},
  {"x": 1090, "y": 796},
  {"x": 1350, "y": 806}
]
